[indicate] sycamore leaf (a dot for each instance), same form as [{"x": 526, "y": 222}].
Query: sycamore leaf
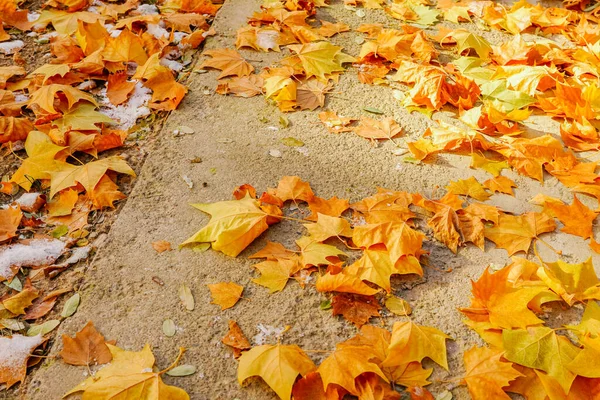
[
  {"x": 50, "y": 70},
  {"x": 321, "y": 59},
  {"x": 500, "y": 184},
  {"x": 486, "y": 374},
  {"x": 10, "y": 218},
  {"x": 327, "y": 227},
  {"x": 82, "y": 117},
  {"x": 236, "y": 339},
  {"x": 572, "y": 282},
  {"x": 373, "y": 129},
  {"x": 315, "y": 253},
  {"x": 355, "y": 308},
  {"x": 278, "y": 365},
  {"x": 293, "y": 188},
  {"x": 468, "y": 40},
  {"x": 499, "y": 303},
  {"x": 398, "y": 306},
  {"x": 44, "y": 97},
  {"x": 88, "y": 347},
  {"x": 590, "y": 321},
  {"x": 225, "y": 294},
  {"x": 491, "y": 166},
  {"x": 399, "y": 238},
  {"x": 310, "y": 387},
  {"x": 577, "y": 218},
  {"x": 126, "y": 375},
  {"x": 119, "y": 88},
  {"x": 586, "y": 362},
  {"x": 345, "y": 364},
  {"x": 541, "y": 348},
  {"x": 228, "y": 61},
  {"x": 16, "y": 350},
  {"x": 412, "y": 342},
  {"x": 234, "y": 224},
  {"x": 13, "y": 129},
  {"x": 343, "y": 282},
  {"x": 469, "y": 187},
  {"x": 515, "y": 233},
  {"x": 19, "y": 302},
  {"x": 66, "y": 175},
  {"x": 125, "y": 48},
  {"x": 333, "y": 207},
  {"x": 275, "y": 274}
]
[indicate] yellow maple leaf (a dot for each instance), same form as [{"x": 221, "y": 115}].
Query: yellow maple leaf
[
  {"x": 541, "y": 348},
  {"x": 327, "y": 227},
  {"x": 126, "y": 375},
  {"x": 228, "y": 61},
  {"x": 234, "y": 224},
  {"x": 321, "y": 59},
  {"x": 65, "y": 175},
  {"x": 515, "y": 233},
  {"x": 41, "y": 152},
  {"x": 225, "y": 294},
  {"x": 278, "y": 365},
  {"x": 412, "y": 342},
  {"x": 486, "y": 374},
  {"x": 275, "y": 274}
]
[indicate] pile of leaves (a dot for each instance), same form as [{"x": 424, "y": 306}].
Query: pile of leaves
[
  {"x": 355, "y": 249},
  {"x": 109, "y": 64}
]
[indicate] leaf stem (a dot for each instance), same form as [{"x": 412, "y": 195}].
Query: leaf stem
[{"x": 174, "y": 364}]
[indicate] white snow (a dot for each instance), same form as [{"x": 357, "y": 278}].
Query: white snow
[
  {"x": 36, "y": 253},
  {"x": 78, "y": 254},
  {"x": 27, "y": 200},
  {"x": 267, "y": 39},
  {"x": 15, "y": 351},
  {"x": 157, "y": 31},
  {"x": 266, "y": 331},
  {"x": 11, "y": 47},
  {"x": 115, "y": 33},
  {"x": 32, "y": 16},
  {"x": 127, "y": 114},
  {"x": 147, "y": 9},
  {"x": 171, "y": 64},
  {"x": 178, "y": 37}
]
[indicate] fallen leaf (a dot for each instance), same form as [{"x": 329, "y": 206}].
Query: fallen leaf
[
  {"x": 236, "y": 339},
  {"x": 161, "y": 246},
  {"x": 16, "y": 351},
  {"x": 225, "y": 294},
  {"x": 278, "y": 365},
  {"x": 88, "y": 347}
]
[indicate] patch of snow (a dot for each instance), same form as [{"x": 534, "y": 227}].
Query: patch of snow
[
  {"x": 78, "y": 254},
  {"x": 11, "y": 47},
  {"x": 265, "y": 332},
  {"x": 32, "y": 16},
  {"x": 27, "y": 200},
  {"x": 267, "y": 39},
  {"x": 157, "y": 31},
  {"x": 147, "y": 9},
  {"x": 49, "y": 35},
  {"x": 36, "y": 253},
  {"x": 32, "y": 34},
  {"x": 171, "y": 64},
  {"x": 127, "y": 114},
  {"x": 93, "y": 10},
  {"x": 115, "y": 33},
  {"x": 178, "y": 37},
  {"x": 15, "y": 351}
]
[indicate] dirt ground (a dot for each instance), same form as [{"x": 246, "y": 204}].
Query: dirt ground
[{"x": 121, "y": 294}]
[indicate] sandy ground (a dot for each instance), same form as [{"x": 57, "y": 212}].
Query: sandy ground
[{"x": 123, "y": 300}]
